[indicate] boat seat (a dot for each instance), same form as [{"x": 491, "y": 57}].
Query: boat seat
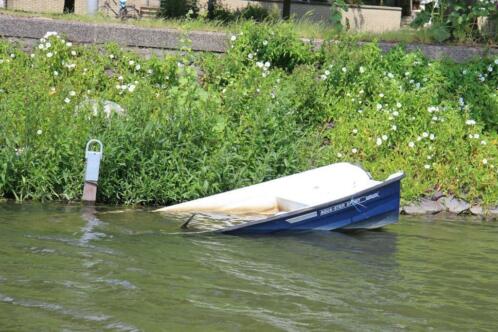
[{"x": 287, "y": 205}]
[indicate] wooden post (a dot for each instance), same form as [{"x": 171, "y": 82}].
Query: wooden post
[{"x": 89, "y": 192}]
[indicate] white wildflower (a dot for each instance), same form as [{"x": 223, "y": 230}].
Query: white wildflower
[
  {"x": 384, "y": 137},
  {"x": 259, "y": 64},
  {"x": 395, "y": 113},
  {"x": 398, "y": 104},
  {"x": 69, "y": 44},
  {"x": 50, "y": 54},
  {"x": 355, "y": 131},
  {"x": 72, "y": 93},
  {"x": 12, "y": 55},
  {"x": 265, "y": 42},
  {"x": 67, "y": 100},
  {"x": 39, "y": 132},
  {"x": 426, "y": 166},
  {"x": 425, "y": 134},
  {"x": 131, "y": 87},
  {"x": 344, "y": 69},
  {"x": 432, "y": 137},
  {"x": 470, "y": 122},
  {"x": 485, "y": 161},
  {"x": 111, "y": 56},
  {"x": 51, "y": 33},
  {"x": 250, "y": 56},
  {"x": 483, "y": 142},
  {"x": 137, "y": 67},
  {"x": 476, "y": 136},
  {"x": 381, "y": 95},
  {"x": 393, "y": 127},
  {"x": 56, "y": 73},
  {"x": 354, "y": 150},
  {"x": 339, "y": 154},
  {"x": 379, "y": 141},
  {"x": 362, "y": 69},
  {"x": 48, "y": 45},
  {"x": 233, "y": 38},
  {"x": 131, "y": 63},
  {"x": 411, "y": 144},
  {"x": 267, "y": 64},
  {"x": 73, "y": 53},
  {"x": 327, "y": 72},
  {"x": 490, "y": 68},
  {"x": 379, "y": 107},
  {"x": 120, "y": 78}
]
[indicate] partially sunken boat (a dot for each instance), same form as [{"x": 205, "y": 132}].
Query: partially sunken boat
[{"x": 340, "y": 196}]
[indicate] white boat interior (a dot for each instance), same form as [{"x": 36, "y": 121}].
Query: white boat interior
[{"x": 285, "y": 194}]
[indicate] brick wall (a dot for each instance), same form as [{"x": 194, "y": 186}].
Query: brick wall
[{"x": 47, "y": 6}]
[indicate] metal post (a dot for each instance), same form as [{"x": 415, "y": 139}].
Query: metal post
[{"x": 92, "y": 168}]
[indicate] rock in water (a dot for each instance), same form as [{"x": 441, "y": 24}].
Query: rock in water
[
  {"x": 454, "y": 205},
  {"x": 477, "y": 210},
  {"x": 423, "y": 207},
  {"x": 493, "y": 213}
]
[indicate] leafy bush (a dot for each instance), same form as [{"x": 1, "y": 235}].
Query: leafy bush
[
  {"x": 276, "y": 44},
  {"x": 193, "y": 125},
  {"x": 179, "y": 8},
  {"x": 251, "y": 12},
  {"x": 256, "y": 13},
  {"x": 458, "y": 20}
]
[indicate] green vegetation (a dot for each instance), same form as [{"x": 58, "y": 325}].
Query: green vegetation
[
  {"x": 460, "y": 20},
  {"x": 194, "y": 125}
]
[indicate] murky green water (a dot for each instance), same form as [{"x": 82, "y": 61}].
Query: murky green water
[{"x": 63, "y": 268}]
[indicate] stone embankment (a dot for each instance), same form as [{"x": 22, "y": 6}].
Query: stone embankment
[
  {"x": 148, "y": 41},
  {"x": 440, "y": 204}
]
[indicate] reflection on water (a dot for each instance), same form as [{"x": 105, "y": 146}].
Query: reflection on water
[{"x": 80, "y": 268}]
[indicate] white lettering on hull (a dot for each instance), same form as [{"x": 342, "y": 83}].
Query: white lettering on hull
[{"x": 352, "y": 202}]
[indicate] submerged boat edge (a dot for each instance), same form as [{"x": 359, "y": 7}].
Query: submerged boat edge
[{"x": 371, "y": 208}]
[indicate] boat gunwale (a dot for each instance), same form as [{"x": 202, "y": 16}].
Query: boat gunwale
[{"x": 311, "y": 208}]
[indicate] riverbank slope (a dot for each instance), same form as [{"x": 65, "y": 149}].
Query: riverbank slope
[{"x": 189, "y": 125}]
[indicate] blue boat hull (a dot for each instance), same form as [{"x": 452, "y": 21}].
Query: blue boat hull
[{"x": 369, "y": 209}]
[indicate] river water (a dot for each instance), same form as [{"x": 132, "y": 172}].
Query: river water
[{"x": 68, "y": 268}]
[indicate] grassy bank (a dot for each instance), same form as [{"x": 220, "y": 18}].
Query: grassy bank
[
  {"x": 303, "y": 28},
  {"x": 193, "y": 125}
]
